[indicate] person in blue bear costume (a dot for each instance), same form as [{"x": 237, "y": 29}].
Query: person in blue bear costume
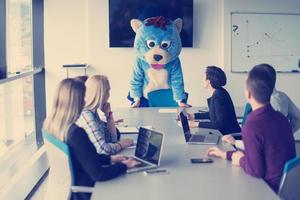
[{"x": 157, "y": 66}]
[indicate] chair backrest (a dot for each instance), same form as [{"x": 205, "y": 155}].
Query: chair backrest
[
  {"x": 161, "y": 98},
  {"x": 247, "y": 111},
  {"x": 290, "y": 181},
  {"x": 61, "y": 169}
]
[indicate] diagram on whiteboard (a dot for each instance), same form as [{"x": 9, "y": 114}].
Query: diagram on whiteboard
[{"x": 265, "y": 38}]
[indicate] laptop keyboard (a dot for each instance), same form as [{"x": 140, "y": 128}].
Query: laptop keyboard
[
  {"x": 142, "y": 164},
  {"x": 197, "y": 138}
]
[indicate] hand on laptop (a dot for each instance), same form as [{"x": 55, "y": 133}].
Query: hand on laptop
[
  {"x": 193, "y": 124},
  {"x": 126, "y": 143},
  {"x": 228, "y": 139},
  {"x": 118, "y": 158},
  {"x": 217, "y": 152},
  {"x": 131, "y": 163},
  {"x": 190, "y": 116}
]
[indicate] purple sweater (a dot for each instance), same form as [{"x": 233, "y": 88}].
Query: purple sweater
[{"x": 269, "y": 143}]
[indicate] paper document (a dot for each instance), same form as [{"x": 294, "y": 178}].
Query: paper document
[
  {"x": 128, "y": 129},
  {"x": 167, "y": 110},
  {"x": 240, "y": 144},
  {"x": 131, "y": 129}
]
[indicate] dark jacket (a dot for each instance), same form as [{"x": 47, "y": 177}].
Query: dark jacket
[
  {"x": 221, "y": 113},
  {"x": 89, "y": 166}
]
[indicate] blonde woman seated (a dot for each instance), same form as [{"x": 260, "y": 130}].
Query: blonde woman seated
[
  {"x": 88, "y": 165},
  {"x": 104, "y": 136}
]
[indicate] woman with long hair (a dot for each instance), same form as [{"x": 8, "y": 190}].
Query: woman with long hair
[
  {"x": 88, "y": 165},
  {"x": 104, "y": 135}
]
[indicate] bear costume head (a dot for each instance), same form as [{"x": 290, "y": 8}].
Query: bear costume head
[{"x": 157, "y": 40}]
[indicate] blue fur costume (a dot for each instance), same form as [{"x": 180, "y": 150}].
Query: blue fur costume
[{"x": 157, "y": 66}]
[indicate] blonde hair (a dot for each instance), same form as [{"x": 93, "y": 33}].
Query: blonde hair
[
  {"x": 67, "y": 106},
  {"x": 97, "y": 87}
]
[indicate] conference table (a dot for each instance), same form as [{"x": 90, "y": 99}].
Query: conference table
[{"x": 211, "y": 181}]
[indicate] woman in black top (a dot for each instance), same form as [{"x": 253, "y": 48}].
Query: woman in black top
[
  {"x": 88, "y": 165},
  {"x": 221, "y": 113}
]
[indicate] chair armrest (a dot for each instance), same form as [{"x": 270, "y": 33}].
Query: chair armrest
[{"x": 82, "y": 189}]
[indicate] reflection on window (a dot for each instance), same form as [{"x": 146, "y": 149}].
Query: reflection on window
[
  {"x": 19, "y": 36},
  {"x": 16, "y": 112}
]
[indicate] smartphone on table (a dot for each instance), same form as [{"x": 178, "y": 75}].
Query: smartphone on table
[
  {"x": 201, "y": 160},
  {"x": 156, "y": 171}
]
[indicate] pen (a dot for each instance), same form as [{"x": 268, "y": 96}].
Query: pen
[{"x": 233, "y": 145}]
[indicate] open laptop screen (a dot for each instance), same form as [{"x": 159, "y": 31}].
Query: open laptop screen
[
  {"x": 149, "y": 145},
  {"x": 184, "y": 123},
  {"x": 185, "y": 126}
]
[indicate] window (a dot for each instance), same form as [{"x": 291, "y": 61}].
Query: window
[
  {"x": 22, "y": 95},
  {"x": 16, "y": 112},
  {"x": 19, "y": 36}
]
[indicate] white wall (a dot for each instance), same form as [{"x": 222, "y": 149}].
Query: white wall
[
  {"x": 77, "y": 31},
  {"x": 65, "y": 39}
]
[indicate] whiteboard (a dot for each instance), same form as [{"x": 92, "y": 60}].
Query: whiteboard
[{"x": 265, "y": 38}]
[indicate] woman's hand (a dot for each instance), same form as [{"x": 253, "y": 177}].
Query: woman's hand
[
  {"x": 190, "y": 116},
  {"x": 130, "y": 163},
  {"x": 215, "y": 151},
  {"x": 126, "y": 143},
  {"x": 193, "y": 124},
  {"x": 118, "y": 158}
]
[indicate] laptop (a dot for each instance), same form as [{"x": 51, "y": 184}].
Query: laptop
[
  {"x": 148, "y": 150},
  {"x": 197, "y": 138}
]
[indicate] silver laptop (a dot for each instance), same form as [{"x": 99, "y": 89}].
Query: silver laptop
[
  {"x": 148, "y": 150},
  {"x": 197, "y": 138}
]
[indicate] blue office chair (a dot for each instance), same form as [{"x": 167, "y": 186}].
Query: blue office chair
[
  {"x": 290, "y": 181},
  {"x": 163, "y": 98},
  {"x": 61, "y": 176},
  {"x": 247, "y": 111}
]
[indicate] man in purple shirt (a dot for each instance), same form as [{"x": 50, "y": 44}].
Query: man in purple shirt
[{"x": 267, "y": 134}]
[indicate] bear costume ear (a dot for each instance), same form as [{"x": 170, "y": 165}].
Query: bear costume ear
[
  {"x": 178, "y": 23},
  {"x": 135, "y": 24}
]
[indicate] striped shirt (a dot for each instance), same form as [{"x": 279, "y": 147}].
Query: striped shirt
[{"x": 98, "y": 133}]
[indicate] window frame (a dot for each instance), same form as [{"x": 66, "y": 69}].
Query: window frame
[
  {"x": 3, "y": 67},
  {"x": 29, "y": 149},
  {"x": 38, "y": 62}
]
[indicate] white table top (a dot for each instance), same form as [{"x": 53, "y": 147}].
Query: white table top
[{"x": 219, "y": 180}]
